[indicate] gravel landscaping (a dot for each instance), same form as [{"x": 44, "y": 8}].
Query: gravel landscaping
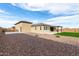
[{"x": 19, "y": 44}]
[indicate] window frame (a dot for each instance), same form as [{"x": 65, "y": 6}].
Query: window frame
[
  {"x": 45, "y": 27},
  {"x": 40, "y": 28}
]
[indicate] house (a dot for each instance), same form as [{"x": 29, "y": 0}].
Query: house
[
  {"x": 12, "y": 29},
  {"x": 25, "y": 26}
]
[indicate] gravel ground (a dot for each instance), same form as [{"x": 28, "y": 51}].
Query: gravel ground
[{"x": 42, "y": 45}]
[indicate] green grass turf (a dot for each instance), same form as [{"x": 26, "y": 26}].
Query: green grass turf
[{"x": 72, "y": 34}]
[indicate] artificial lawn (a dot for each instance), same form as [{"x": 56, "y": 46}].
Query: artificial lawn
[{"x": 72, "y": 34}]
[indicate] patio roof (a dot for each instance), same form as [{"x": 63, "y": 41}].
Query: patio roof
[{"x": 42, "y": 24}]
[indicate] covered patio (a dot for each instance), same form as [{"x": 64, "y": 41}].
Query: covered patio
[{"x": 56, "y": 28}]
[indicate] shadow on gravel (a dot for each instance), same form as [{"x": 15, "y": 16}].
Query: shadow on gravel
[{"x": 26, "y": 45}]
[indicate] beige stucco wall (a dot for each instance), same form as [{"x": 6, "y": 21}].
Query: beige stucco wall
[
  {"x": 40, "y": 31},
  {"x": 25, "y": 27},
  {"x": 18, "y": 27}
]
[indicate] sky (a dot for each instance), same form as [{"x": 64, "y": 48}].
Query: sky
[{"x": 56, "y": 14}]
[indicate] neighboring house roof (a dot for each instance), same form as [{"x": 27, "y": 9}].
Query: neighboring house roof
[{"x": 23, "y": 22}]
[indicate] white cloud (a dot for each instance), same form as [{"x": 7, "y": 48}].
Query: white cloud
[
  {"x": 39, "y": 1},
  {"x": 9, "y": 20},
  {"x": 54, "y": 8},
  {"x": 8, "y": 17},
  {"x": 33, "y": 7},
  {"x": 3, "y": 11},
  {"x": 7, "y": 23},
  {"x": 68, "y": 21}
]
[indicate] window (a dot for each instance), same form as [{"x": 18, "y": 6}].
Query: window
[
  {"x": 40, "y": 27},
  {"x": 45, "y": 27}
]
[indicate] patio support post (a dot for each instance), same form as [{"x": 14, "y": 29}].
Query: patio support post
[
  {"x": 61, "y": 28},
  {"x": 57, "y": 28}
]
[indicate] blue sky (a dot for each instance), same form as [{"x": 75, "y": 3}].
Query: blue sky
[{"x": 63, "y": 14}]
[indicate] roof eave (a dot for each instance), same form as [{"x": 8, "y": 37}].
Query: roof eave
[{"x": 23, "y": 22}]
